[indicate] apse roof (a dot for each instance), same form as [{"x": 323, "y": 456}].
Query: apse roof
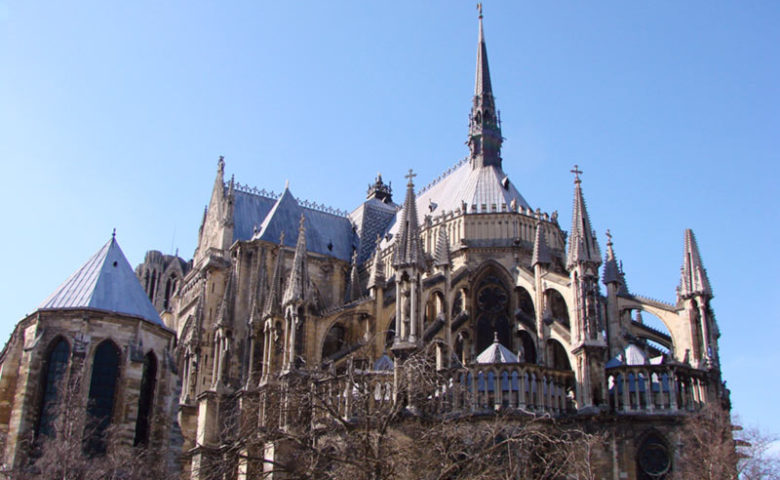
[
  {"x": 105, "y": 282},
  {"x": 487, "y": 188}
]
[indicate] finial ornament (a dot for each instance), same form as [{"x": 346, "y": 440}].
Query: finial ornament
[
  {"x": 577, "y": 172},
  {"x": 113, "y": 234},
  {"x": 410, "y": 176},
  {"x": 609, "y": 237},
  {"x": 479, "y": 8}
]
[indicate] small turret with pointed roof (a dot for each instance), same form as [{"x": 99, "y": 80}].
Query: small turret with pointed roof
[
  {"x": 583, "y": 247},
  {"x": 273, "y": 303},
  {"x": 541, "y": 254},
  {"x": 376, "y": 277},
  {"x": 611, "y": 270},
  {"x": 484, "y": 123},
  {"x": 441, "y": 257},
  {"x": 693, "y": 278},
  {"x": 408, "y": 249},
  {"x": 297, "y": 291}
]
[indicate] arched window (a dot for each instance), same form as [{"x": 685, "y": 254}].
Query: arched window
[
  {"x": 146, "y": 400},
  {"x": 493, "y": 313},
  {"x": 102, "y": 390},
  {"x": 170, "y": 289},
  {"x": 54, "y": 371},
  {"x": 334, "y": 341}
]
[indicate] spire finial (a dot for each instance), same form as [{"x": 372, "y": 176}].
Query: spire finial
[
  {"x": 495, "y": 336},
  {"x": 609, "y": 238},
  {"x": 479, "y": 8},
  {"x": 410, "y": 176},
  {"x": 577, "y": 172},
  {"x": 113, "y": 234}
]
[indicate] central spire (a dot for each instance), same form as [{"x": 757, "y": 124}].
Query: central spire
[{"x": 484, "y": 121}]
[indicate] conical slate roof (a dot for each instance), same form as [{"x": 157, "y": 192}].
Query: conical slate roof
[
  {"x": 105, "y": 282},
  {"x": 496, "y": 353}
]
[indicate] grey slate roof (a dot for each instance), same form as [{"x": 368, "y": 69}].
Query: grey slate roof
[
  {"x": 322, "y": 229},
  {"x": 372, "y": 219},
  {"x": 496, "y": 353},
  {"x": 249, "y": 210},
  {"x": 482, "y": 187},
  {"x": 105, "y": 282}
]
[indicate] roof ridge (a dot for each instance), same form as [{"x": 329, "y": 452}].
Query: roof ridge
[
  {"x": 443, "y": 175},
  {"x": 304, "y": 203}
]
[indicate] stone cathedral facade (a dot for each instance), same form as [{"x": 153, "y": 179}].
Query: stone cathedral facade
[{"x": 539, "y": 317}]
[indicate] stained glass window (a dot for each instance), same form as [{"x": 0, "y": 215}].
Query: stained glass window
[
  {"x": 102, "y": 389},
  {"x": 54, "y": 371},
  {"x": 145, "y": 400}
]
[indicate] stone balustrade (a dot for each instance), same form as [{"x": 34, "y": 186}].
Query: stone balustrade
[{"x": 656, "y": 388}]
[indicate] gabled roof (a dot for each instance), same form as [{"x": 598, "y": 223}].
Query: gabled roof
[
  {"x": 105, "y": 282},
  {"x": 326, "y": 233}
]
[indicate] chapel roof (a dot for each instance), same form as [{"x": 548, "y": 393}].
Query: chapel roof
[{"x": 105, "y": 282}]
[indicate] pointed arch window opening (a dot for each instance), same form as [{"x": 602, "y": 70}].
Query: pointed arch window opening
[
  {"x": 102, "y": 396},
  {"x": 146, "y": 400},
  {"x": 492, "y": 300},
  {"x": 56, "y": 367}
]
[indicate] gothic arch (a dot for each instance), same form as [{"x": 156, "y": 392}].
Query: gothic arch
[
  {"x": 557, "y": 356},
  {"x": 53, "y": 373},
  {"x": 493, "y": 306},
  {"x": 435, "y": 306},
  {"x": 556, "y": 306},
  {"x": 334, "y": 340},
  {"x": 528, "y": 343},
  {"x": 146, "y": 399},
  {"x": 104, "y": 380},
  {"x": 526, "y": 311}
]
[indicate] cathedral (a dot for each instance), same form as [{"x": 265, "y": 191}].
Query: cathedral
[{"x": 517, "y": 310}]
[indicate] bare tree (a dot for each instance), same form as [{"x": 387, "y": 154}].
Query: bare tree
[
  {"x": 366, "y": 425},
  {"x": 757, "y": 461},
  {"x": 64, "y": 452}
]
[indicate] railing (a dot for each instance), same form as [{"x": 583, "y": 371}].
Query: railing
[
  {"x": 656, "y": 388},
  {"x": 482, "y": 388},
  {"x": 520, "y": 386}
]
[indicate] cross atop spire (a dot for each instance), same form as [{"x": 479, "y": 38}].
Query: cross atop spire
[
  {"x": 577, "y": 172},
  {"x": 410, "y": 176},
  {"x": 479, "y": 8}
]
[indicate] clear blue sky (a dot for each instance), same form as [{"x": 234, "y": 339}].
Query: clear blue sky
[{"x": 113, "y": 114}]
